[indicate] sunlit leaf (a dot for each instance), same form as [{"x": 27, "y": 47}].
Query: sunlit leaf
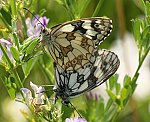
[{"x": 15, "y": 53}]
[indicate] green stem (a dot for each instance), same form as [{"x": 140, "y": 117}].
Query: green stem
[
  {"x": 18, "y": 81},
  {"x": 140, "y": 64},
  {"x": 6, "y": 56},
  {"x": 69, "y": 10},
  {"x": 84, "y": 7},
  {"x": 114, "y": 119},
  {"x": 109, "y": 104},
  {"x": 98, "y": 8}
]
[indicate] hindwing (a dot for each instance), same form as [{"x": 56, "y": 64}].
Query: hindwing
[{"x": 72, "y": 83}]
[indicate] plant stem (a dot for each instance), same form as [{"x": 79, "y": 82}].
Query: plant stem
[
  {"x": 140, "y": 64},
  {"x": 98, "y": 8},
  {"x": 115, "y": 116},
  {"x": 6, "y": 56},
  {"x": 18, "y": 81},
  {"x": 84, "y": 7}
]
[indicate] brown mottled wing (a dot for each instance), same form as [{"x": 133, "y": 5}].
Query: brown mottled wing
[
  {"x": 72, "y": 44},
  {"x": 72, "y": 51}
]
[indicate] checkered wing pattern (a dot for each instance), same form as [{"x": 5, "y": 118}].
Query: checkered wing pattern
[
  {"x": 72, "y": 44},
  {"x": 71, "y": 83}
]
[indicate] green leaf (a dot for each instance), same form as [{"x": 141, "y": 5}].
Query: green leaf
[
  {"x": 124, "y": 93},
  {"x": 145, "y": 33},
  {"x": 67, "y": 111},
  {"x": 147, "y": 8},
  {"x": 129, "y": 93},
  {"x": 109, "y": 114},
  {"x": 29, "y": 45},
  {"x": 126, "y": 81},
  {"x": 136, "y": 30},
  {"x": 148, "y": 19},
  {"x": 145, "y": 43},
  {"x": 3, "y": 71},
  {"x": 111, "y": 94},
  {"x": 100, "y": 109},
  {"x": 11, "y": 86},
  {"x": 13, "y": 8},
  {"x": 15, "y": 53},
  {"x": 109, "y": 104},
  {"x": 20, "y": 72},
  {"x": 113, "y": 81},
  {"x": 118, "y": 87},
  {"x": 29, "y": 65},
  {"x": 16, "y": 40},
  {"x": 6, "y": 15}
]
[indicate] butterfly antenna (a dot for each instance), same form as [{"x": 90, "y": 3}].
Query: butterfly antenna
[
  {"x": 34, "y": 17},
  {"x": 75, "y": 109}
]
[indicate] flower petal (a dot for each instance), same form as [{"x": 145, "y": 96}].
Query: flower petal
[
  {"x": 34, "y": 27},
  {"x": 27, "y": 94}
]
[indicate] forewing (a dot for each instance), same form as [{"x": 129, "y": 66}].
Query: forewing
[
  {"x": 72, "y": 51},
  {"x": 96, "y": 29}
]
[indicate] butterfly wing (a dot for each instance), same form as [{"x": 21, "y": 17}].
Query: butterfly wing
[
  {"x": 105, "y": 66},
  {"x": 96, "y": 29},
  {"x": 72, "y": 51},
  {"x": 72, "y": 44},
  {"x": 75, "y": 83}
]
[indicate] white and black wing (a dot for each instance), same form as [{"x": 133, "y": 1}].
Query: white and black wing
[
  {"x": 71, "y": 84},
  {"x": 96, "y": 28}
]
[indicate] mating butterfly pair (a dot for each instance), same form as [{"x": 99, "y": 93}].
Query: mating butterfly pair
[{"x": 79, "y": 65}]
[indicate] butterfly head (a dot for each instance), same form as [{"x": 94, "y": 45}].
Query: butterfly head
[{"x": 45, "y": 35}]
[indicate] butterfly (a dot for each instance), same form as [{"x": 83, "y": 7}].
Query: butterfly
[
  {"x": 72, "y": 44},
  {"x": 70, "y": 84}
]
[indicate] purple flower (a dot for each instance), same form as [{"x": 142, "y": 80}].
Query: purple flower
[
  {"x": 38, "y": 94},
  {"x": 34, "y": 26},
  {"x": 92, "y": 96},
  {"x": 6, "y": 44},
  {"x": 76, "y": 119},
  {"x": 37, "y": 101}
]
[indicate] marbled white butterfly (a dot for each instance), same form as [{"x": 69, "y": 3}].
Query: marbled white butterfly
[
  {"x": 72, "y": 44},
  {"x": 72, "y": 83}
]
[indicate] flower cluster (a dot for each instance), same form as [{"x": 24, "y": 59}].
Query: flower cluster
[
  {"x": 34, "y": 26},
  {"x": 38, "y": 100},
  {"x": 92, "y": 96}
]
